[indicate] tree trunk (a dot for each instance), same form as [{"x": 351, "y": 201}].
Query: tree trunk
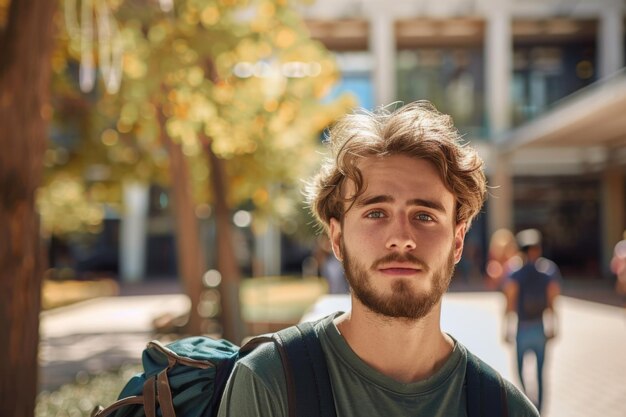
[
  {"x": 232, "y": 326},
  {"x": 25, "y": 42},
  {"x": 191, "y": 260}
]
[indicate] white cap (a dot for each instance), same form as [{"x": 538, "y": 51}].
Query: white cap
[{"x": 528, "y": 237}]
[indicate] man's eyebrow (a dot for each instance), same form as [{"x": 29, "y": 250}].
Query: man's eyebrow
[
  {"x": 385, "y": 198},
  {"x": 435, "y": 205}
]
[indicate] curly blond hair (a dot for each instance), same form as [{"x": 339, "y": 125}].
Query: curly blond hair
[{"x": 417, "y": 130}]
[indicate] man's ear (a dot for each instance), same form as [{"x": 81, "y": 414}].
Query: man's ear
[
  {"x": 334, "y": 234},
  {"x": 459, "y": 239}
]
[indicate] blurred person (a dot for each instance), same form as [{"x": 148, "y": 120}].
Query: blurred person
[
  {"x": 531, "y": 291},
  {"x": 618, "y": 266},
  {"x": 502, "y": 255},
  {"x": 331, "y": 269},
  {"x": 396, "y": 199},
  {"x": 469, "y": 267}
]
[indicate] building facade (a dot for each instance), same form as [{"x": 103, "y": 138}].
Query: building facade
[{"x": 539, "y": 87}]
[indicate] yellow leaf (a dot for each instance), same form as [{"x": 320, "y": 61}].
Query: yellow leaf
[
  {"x": 195, "y": 76},
  {"x": 210, "y": 16}
]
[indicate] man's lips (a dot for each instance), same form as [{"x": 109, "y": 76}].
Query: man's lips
[{"x": 400, "y": 269}]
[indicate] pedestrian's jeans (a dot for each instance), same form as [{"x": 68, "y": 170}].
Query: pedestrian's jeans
[{"x": 531, "y": 337}]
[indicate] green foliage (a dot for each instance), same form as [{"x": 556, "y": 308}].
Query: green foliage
[
  {"x": 241, "y": 76},
  {"x": 78, "y": 399}
]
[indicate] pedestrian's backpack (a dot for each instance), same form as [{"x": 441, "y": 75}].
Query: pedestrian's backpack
[
  {"x": 533, "y": 282},
  {"x": 187, "y": 378}
]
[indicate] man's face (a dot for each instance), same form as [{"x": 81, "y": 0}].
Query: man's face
[{"x": 399, "y": 241}]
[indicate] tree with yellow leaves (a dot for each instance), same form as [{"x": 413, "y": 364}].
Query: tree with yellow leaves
[{"x": 235, "y": 84}]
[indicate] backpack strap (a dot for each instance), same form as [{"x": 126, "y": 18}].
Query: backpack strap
[
  {"x": 310, "y": 393},
  {"x": 485, "y": 391},
  {"x": 148, "y": 400}
]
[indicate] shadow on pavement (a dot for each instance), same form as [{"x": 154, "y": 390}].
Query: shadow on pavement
[{"x": 63, "y": 358}]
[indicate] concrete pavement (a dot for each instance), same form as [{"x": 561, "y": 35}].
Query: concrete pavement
[
  {"x": 585, "y": 368},
  {"x": 99, "y": 334}
]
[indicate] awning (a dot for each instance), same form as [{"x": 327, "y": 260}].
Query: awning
[{"x": 594, "y": 116}]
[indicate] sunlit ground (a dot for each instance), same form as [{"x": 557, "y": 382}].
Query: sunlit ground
[{"x": 585, "y": 366}]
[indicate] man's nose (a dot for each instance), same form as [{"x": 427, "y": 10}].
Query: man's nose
[{"x": 400, "y": 236}]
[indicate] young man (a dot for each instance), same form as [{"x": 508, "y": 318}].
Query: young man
[
  {"x": 531, "y": 291},
  {"x": 396, "y": 199}
]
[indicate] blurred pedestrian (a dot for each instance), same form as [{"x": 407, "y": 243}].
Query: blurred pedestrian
[
  {"x": 618, "y": 266},
  {"x": 502, "y": 255},
  {"x": 531, "y": 290},
  {"x": 331, "y": 269}
]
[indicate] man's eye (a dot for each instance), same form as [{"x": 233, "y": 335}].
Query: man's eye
[
  {"x": 424, "y": 217},
  {"x": 375, "y": 215}
]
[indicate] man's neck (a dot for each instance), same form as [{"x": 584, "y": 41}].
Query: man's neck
[{"x": 405, "y": 350}]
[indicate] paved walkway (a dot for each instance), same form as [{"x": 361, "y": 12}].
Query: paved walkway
[
  {"x": 585, "y": 369},
  {"x": 99, "y": 334}
]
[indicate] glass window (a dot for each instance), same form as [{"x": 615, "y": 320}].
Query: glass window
[
  {"x": 567, "y": 211},
  {"x": 545, "y": 74},
  {"x": 356, "y": 78},
  {"x": 451, "y": 78},
  {"x": 552, "y": 58}
]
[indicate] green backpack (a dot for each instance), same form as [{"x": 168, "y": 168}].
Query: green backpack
[{"x": 187, "y": 378}]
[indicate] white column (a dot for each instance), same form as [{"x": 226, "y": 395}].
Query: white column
[
  {"x": 267, "y": 250},
  {"x": 382, "y": 46},
  {"x": 611, "y": 40},
  {"x": 133, "y": 232},
  {"x": 498, "y": 68},
  {"x": 498, "y": 74}
]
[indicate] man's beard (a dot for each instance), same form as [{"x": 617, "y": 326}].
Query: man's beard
[{"x": 404, "y": 301}]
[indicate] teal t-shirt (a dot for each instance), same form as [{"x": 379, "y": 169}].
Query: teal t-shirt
[{"x": 257, "y": 385}]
